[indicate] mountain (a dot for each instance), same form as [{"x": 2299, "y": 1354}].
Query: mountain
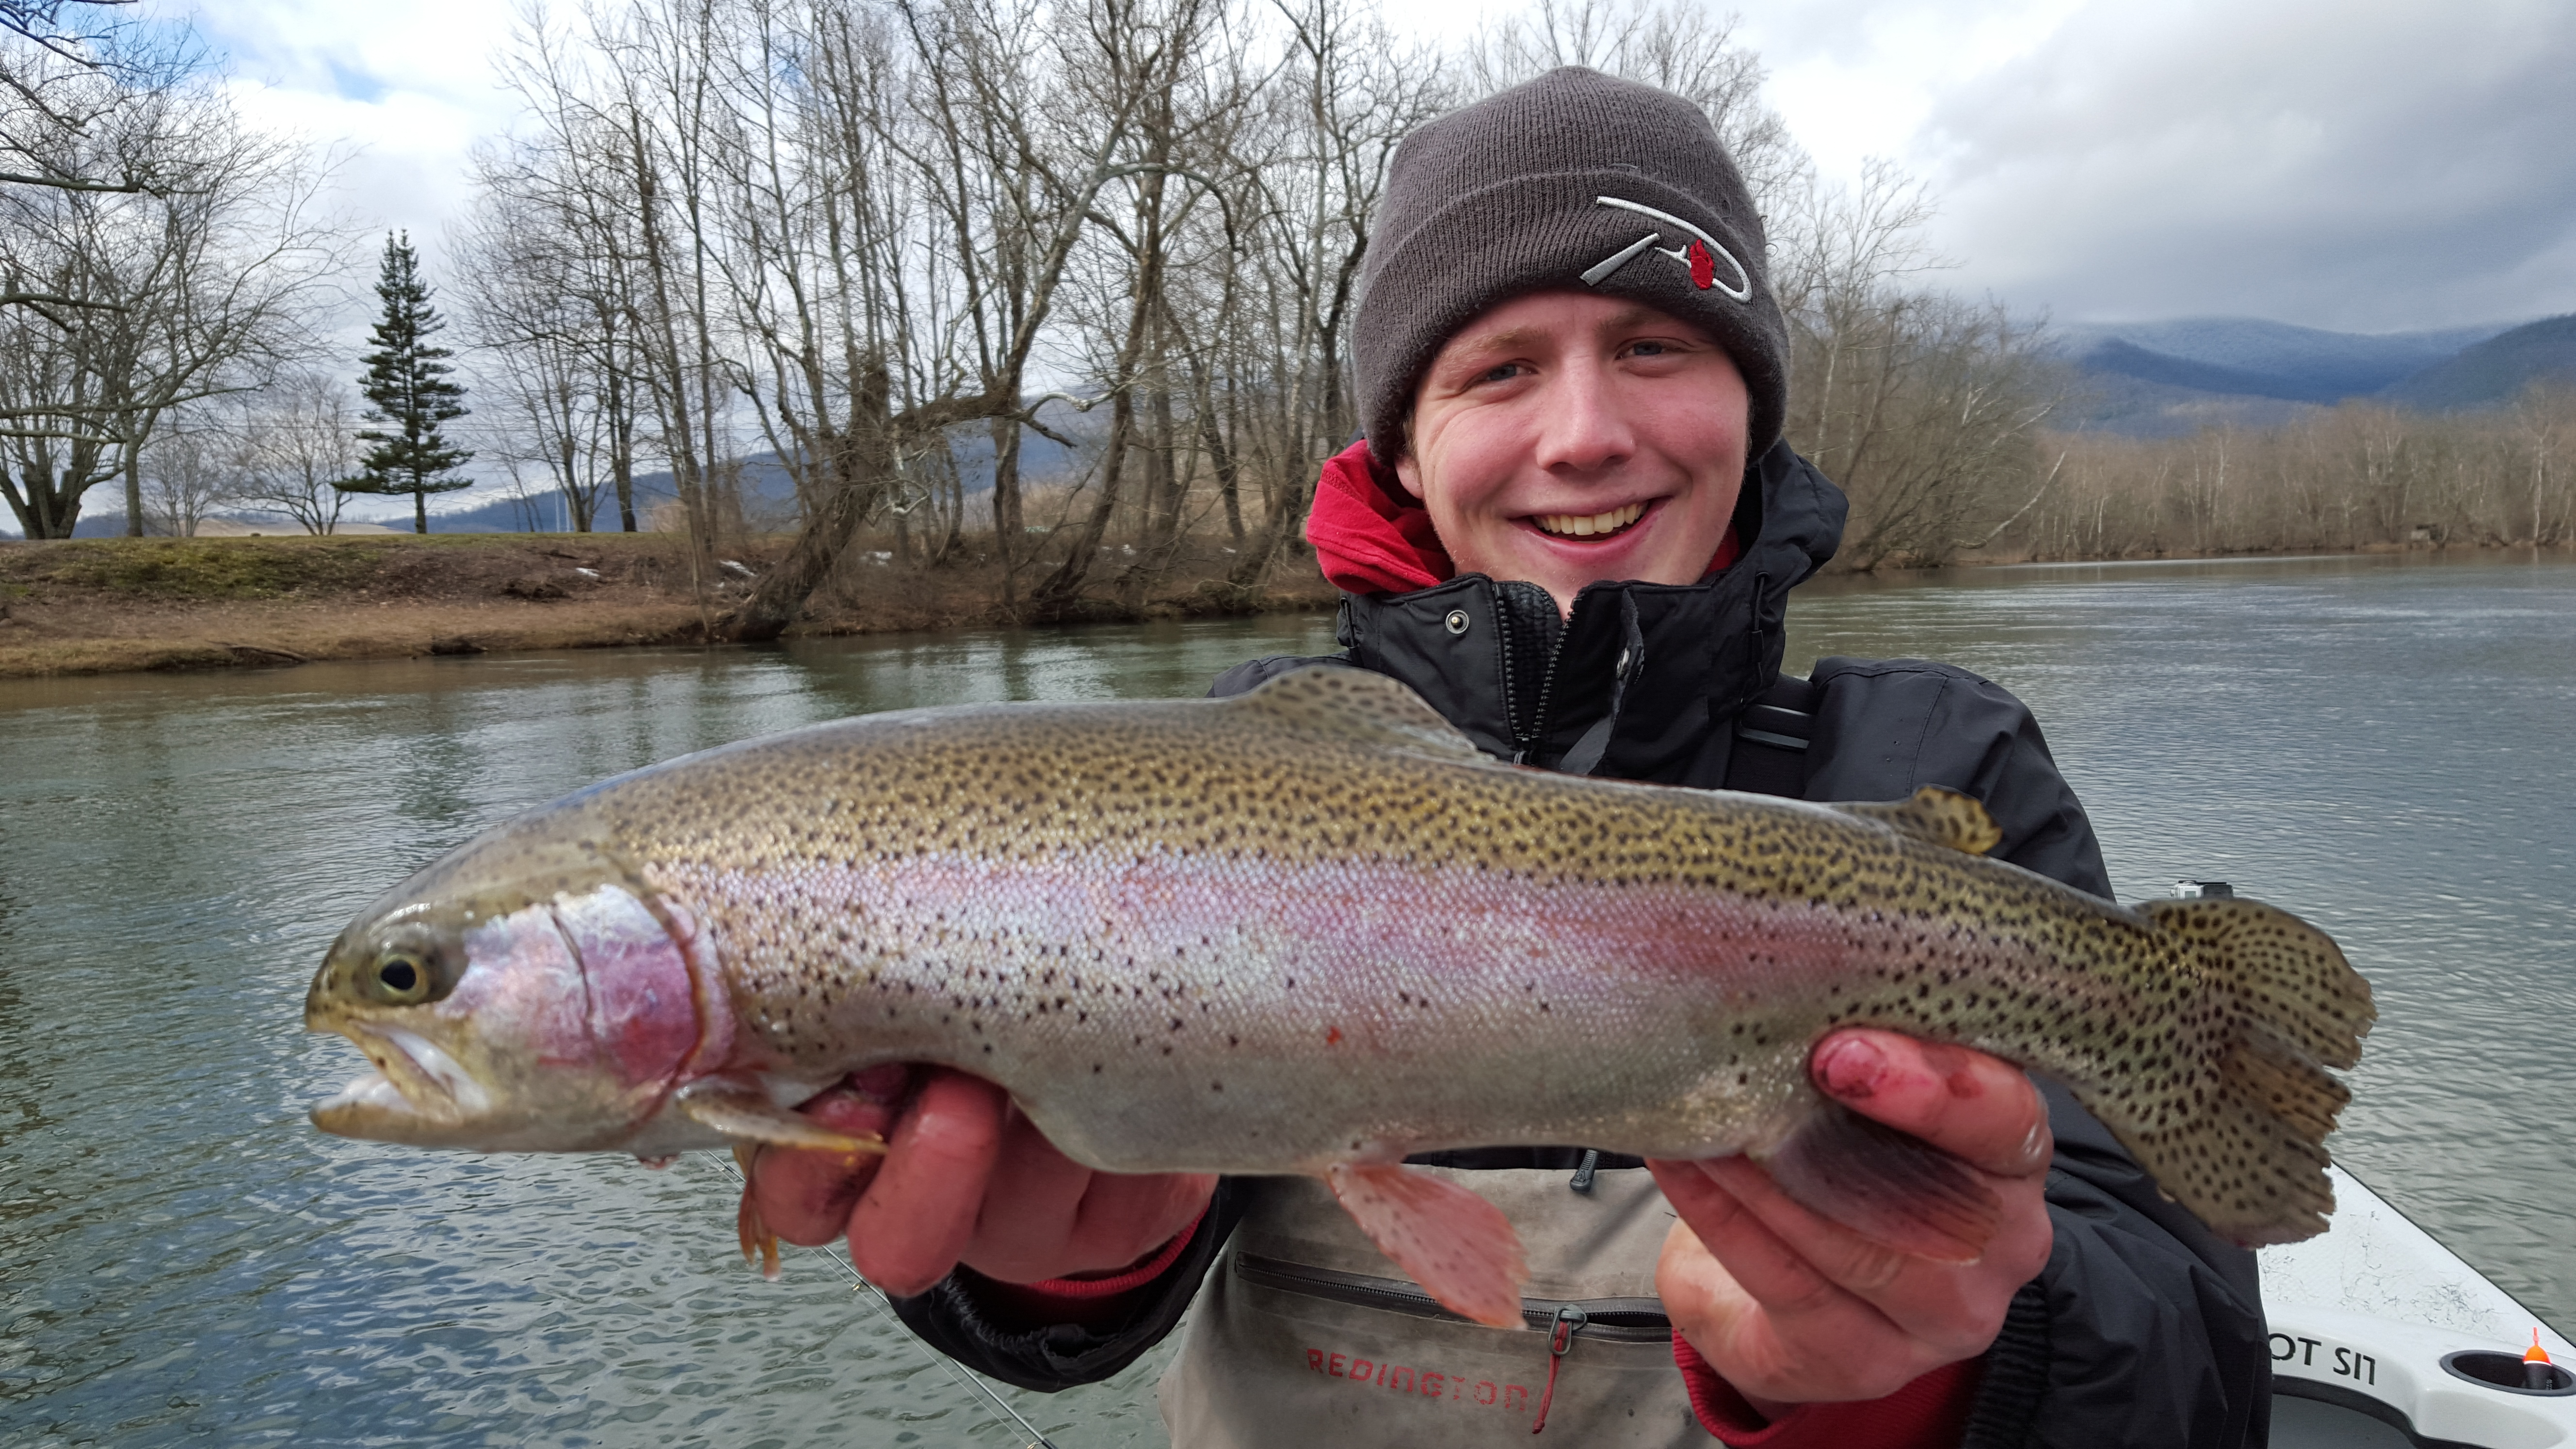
[
  {"x": 2495, "y": 370},
  {"x": 2253, "y": 357},
  {"x": 2166, "y": 379},
  {"x": 2131, "y": 407}
]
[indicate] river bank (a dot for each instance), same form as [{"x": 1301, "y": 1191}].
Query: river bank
[
  {"x": 96, "y": 606},
  {"x": 100, "y": 606}
]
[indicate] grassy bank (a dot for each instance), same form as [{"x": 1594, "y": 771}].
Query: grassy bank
[{"x": 86, "y": 606}]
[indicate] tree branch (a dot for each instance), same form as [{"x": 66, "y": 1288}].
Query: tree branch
[{"x": 23, "y": 299}]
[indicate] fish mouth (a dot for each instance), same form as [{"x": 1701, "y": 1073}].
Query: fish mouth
[{"x": 417, "y": 1093}]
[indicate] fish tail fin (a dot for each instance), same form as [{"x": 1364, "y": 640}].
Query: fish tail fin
[
  {"x": 2249, "y": 1158},
  {"x": 1458, "y": 1246}
]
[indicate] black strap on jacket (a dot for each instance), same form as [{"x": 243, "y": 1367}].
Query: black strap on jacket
[{"x": 1769, "y": 756}]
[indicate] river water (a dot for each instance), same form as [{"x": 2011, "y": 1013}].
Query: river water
[{"x": 2381, "y": 744}]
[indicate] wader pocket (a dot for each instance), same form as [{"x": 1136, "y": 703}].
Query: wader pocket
[{"x": 1285, "y": 1354}]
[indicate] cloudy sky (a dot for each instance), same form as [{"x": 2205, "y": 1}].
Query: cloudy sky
[{"x": 2350, "y": 164}]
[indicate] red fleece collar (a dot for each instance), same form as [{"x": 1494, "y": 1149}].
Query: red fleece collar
[{"x": 1371, "y": 537}]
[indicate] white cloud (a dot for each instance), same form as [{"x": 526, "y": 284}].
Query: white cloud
[
  {"x": 405, "y": 88},
  {"x": 2342, "y": 164},
  {"x": 2352, "y": 164},
  {"x": 2358, "y": 166}
]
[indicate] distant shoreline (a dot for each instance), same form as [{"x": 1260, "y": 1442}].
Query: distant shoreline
[{"x": 102, "y": 606}]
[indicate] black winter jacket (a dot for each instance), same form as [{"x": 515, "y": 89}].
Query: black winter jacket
[{"x": 2144, "y": 1331}]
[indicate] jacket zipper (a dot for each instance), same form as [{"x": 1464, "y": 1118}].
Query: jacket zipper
[
  {"x": 1628, "y": 1320},
  {"x": 1521, "y": 748}
]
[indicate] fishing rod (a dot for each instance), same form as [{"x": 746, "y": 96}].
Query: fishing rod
[{"x": 860, "y": 1283}]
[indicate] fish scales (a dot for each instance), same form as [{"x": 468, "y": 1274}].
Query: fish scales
[{"x": 1314, "y": 926}]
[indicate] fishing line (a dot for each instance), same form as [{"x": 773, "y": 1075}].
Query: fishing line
[{"x": 1037, "y": 1436}]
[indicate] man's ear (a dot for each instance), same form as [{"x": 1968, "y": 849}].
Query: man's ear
[{"x": 1409, "y": 473}]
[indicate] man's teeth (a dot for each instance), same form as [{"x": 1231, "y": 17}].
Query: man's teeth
[{"x": 1572, "y": 525}]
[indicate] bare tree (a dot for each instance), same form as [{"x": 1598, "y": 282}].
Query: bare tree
[
  {"x": 1343, "y": 94},
  {"x": 298, "y": 437},
  {"x": 147, "y": 299},
  {"x": 186, "y": 475},
  {"x": 554, "y": 398},
  {"x": 1670, "y": 44}
]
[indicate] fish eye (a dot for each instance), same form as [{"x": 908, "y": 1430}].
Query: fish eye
[{"x": 399, "y": 978}]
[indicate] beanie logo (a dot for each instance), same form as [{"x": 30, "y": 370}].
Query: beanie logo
[{"x": 1699, "y": 257}]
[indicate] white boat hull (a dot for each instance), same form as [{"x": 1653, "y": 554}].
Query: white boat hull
[{"x": 2362, "y": 1319}]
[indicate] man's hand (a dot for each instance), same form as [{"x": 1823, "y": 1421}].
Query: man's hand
[
  {"x": 964, "y": 1179},
  {"x": 1790, "y": 1308}
]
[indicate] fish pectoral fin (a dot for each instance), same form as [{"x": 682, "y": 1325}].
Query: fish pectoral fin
[
  {"x": 1459, "y": 1247},
  {"x": 746, "y": 1113},
  {"x": 1888, "y": 1186},
  {"x": 1936, "y": 815}
]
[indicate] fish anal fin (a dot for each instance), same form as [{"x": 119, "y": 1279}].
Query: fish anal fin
[
  {"x": 1886, "y": 1185},
  {"x": 1459, "y": 1247},
  {"x": 746, "y": 1114},
  {"x": 1355, "y": 706},
  {"x": 1936, "y": 816}
]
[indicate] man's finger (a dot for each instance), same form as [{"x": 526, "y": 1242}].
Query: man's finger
[
  {"x": 1768, "y": 1269},
  {"x": 1029, "y": 1206},
  {"x": 916, "y": 1218},
  {"x": 1975, "y": 1107}
]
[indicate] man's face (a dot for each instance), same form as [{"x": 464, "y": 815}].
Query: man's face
[{"x": 1567, "y": 437}]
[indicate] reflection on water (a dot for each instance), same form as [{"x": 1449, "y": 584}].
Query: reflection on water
[{"x": 2372, "y": 743}]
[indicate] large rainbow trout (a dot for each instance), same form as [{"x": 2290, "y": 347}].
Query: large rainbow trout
[{"x": 1312, "y": 930}]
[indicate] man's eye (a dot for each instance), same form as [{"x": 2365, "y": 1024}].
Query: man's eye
[
  {"x": 1647, "y": 349},
  {"x": 1502, "y": 373}
]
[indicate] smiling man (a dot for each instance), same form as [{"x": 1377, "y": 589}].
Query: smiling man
[{"x": 1572, "y": 527}]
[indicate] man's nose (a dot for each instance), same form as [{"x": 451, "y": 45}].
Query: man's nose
[{"x": 1586, "y": 426}]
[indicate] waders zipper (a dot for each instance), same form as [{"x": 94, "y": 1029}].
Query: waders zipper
[{"x": 1570, "y": 1321}]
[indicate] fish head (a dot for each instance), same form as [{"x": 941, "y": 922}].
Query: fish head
[{"x": 554, "y": 1015}]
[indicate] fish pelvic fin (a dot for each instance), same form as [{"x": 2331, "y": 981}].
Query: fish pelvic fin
[
  {"x": 746, "y": 1114},
  {"x": 1337, "y": 704},
  {"x": 1459, "y": 1247},
  {"x": 759, "y": 1244},
  {"x": 1936, "y": 816},
  {"x": 1886, "y": 1185},
  {"x": 2251, "y": 1160}
]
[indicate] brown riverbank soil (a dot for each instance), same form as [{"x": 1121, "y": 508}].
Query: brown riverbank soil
[{"x": 87, "y": 606}]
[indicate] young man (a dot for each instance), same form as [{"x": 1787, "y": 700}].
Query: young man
[{"x": 1572, "y": 529}]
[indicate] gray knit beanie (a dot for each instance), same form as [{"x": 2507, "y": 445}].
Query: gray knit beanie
[{"x": 1574, "y": 179}]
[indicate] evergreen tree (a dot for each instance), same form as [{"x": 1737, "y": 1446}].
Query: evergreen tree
[{"x": 407, "y": 388}]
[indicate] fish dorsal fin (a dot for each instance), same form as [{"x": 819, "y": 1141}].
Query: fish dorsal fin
[
  {"x": 1936, "y": 816},
  {"x": 1355, "y": 706}
]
